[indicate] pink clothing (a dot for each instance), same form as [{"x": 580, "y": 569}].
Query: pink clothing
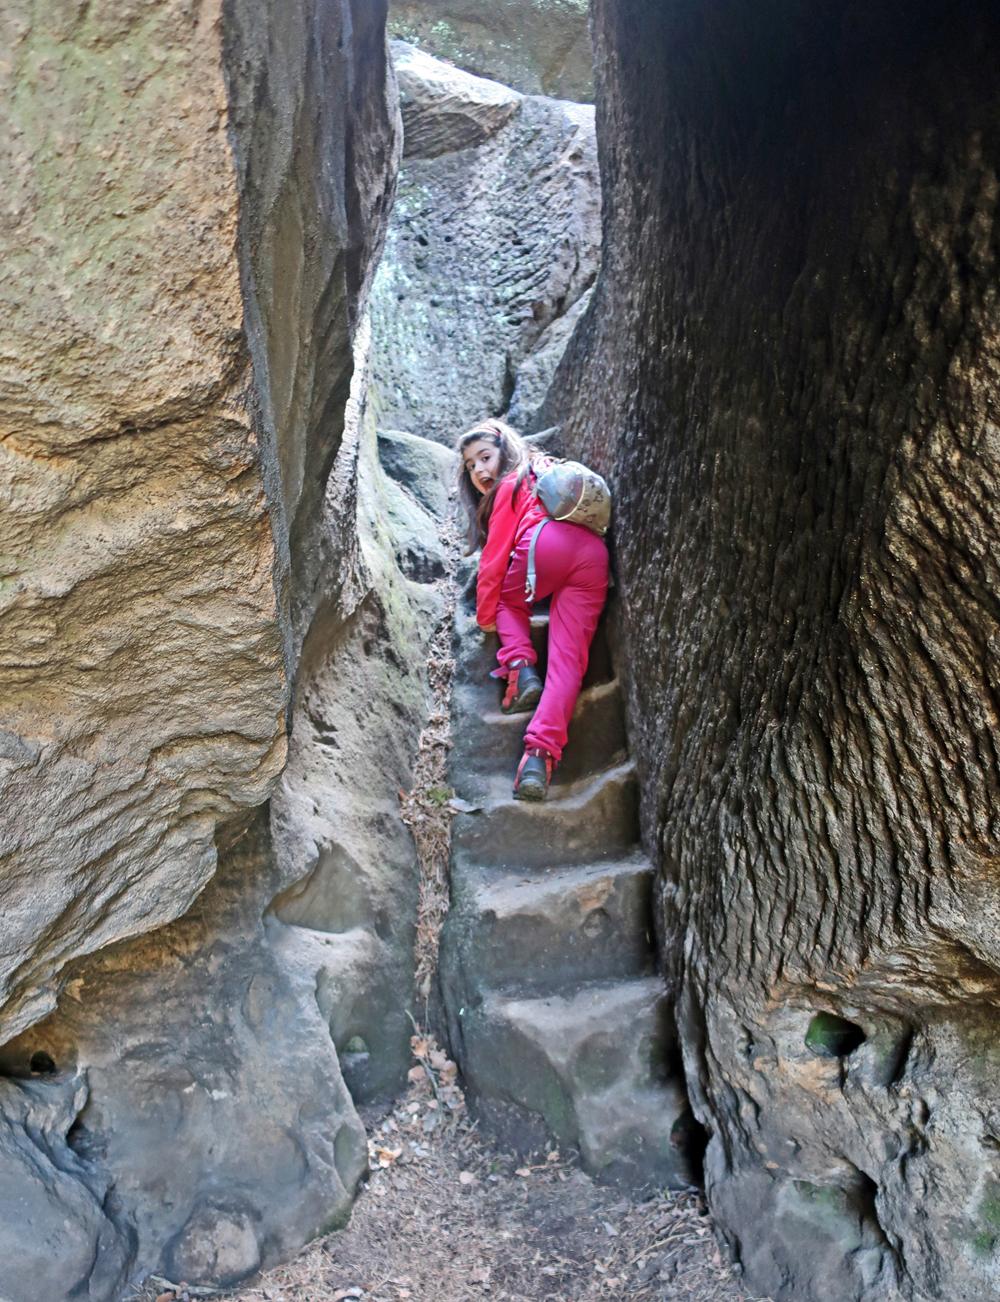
[
  {"x": 571, "y": 564},
  {"x": 514, "y": 514}
]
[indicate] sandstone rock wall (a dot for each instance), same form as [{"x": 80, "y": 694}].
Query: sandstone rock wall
[
  {"x": 206, "y": 1074},
  {"x": 492, "y": 248},
  {"x": 789, "y": 370},
  {"x": 194, "y": 527},
  {"x": 316, "y": 143},
  {"x": 141, "y": 672}
]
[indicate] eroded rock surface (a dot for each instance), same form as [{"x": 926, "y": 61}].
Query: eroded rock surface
[
  {"x": 789, "y": 371},
  {"x": 493, "y": 242},
  {"x": 141, "y": 670},
  {"x": 76, "y": 1245},
  {"x": 196, "y": 520},
  {"x": 214, "y": 1065},
  {"x": 445, "y": 109},
  {"x": 540, "y": 47},
  {"x": 345, "y": 920},
  {"x": 209, "y": 1090}
]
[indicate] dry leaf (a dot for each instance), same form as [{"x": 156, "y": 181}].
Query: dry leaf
[
  {"x": 481, "y": 1275},
  {"x": 416, "y": 1074},
  {"x": 466, "y": 1177},
  {"x": 386, "y": 1156},
  {"x": 553, "y": 1156},
  {"x": 523, "y": 1171},
  {"x": 419, "y": 1046}
]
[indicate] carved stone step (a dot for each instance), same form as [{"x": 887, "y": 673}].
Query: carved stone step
[
  {"x": 488, "y": 742},
  {"x": 597, "y": 816},
  {"x": 528, "y": 933},
  {"x": 592, "y": 1069}
]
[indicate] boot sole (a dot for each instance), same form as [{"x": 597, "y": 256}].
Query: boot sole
[
  {"x": 524, "y": 703},
  {"x": 533, "y": 791}
]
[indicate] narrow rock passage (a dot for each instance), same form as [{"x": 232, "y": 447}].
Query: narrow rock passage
[
  {"x": 448, "y": 1213},
  {"x": 558, "y": 1017}
]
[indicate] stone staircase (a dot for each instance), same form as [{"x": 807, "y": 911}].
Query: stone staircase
[{"x": 555, "y": 1013}]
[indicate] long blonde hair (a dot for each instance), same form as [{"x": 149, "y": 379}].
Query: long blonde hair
[{"x": 515, "y": 454}]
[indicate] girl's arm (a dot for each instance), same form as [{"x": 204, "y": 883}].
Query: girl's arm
[{"x": 496, "y": 553}]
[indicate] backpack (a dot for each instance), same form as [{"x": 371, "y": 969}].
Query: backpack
[{"x": 572, "y": 492}]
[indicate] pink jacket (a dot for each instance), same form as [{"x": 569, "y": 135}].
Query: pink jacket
[{"x": 513, "y": 515}]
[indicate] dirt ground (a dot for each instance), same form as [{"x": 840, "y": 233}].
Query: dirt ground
[{"x": 446, "y": 1217}]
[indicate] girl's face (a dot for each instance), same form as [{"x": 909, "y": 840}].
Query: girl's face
[{"x": 482, "y": 461}]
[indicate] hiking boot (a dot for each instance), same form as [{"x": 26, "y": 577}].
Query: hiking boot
[
  {"x": 524, "y": 689},
  {"x": 534, "y": 773}
]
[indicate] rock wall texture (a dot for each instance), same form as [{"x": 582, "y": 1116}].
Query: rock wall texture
[
  {"x": 206, "y": 1074},
  {"x": 316, "y": 142},
  {"x": 198, "y": 562},
  {"x": 540, "y": 47},
  {"x": 142, "y": 679},
  {"x": 493, "y": 244},
  {"x": 790, "y": 371}
]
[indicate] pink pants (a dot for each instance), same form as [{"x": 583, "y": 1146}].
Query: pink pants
[{"x": 571, "y": 565}]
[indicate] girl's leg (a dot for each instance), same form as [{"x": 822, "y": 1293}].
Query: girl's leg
[
  {"x": 514, "y": 612},
  {"x": 572, "y": 564}
]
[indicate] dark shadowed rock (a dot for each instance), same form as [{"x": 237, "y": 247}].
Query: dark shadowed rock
[
  {"x": 789, "y": 372},
  {"x": 535, "y": 374},
  {"x": 414, "y": 495},
  {"x": 419, "y": 552},
  {"x": 541, "y": 47},
  {"x": 214, "y": 1100}
]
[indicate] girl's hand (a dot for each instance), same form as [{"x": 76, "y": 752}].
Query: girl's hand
[{"x": 488, "y": 628}]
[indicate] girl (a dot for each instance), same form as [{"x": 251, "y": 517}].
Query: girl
[{"x": 571, "y": 563}]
